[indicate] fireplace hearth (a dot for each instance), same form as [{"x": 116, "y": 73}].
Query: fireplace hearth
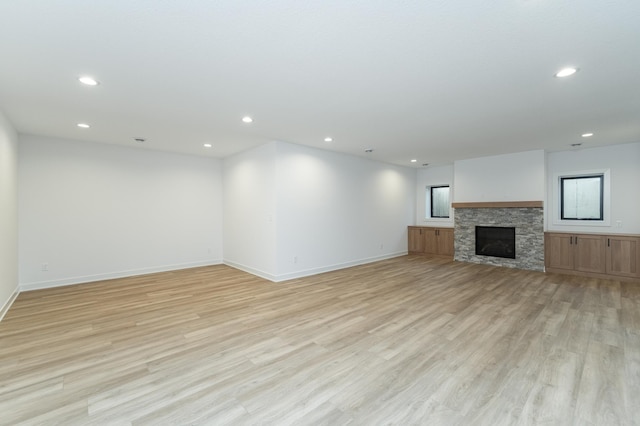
[{"x": 496, "y": 241}]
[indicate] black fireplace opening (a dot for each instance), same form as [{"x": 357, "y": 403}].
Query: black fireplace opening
[{"x": 497, "y": 241}]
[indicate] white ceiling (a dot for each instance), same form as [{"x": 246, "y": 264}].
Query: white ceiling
[{"x": 431, "y": 80}]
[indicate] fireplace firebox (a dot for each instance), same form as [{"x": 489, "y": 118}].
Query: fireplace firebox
[{"x": 496, "y": 241}]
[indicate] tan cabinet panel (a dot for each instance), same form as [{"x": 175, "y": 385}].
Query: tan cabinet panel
[
  {"x": 445, "y": 241},
  {"x": 590, "y": 255},
  {"x": 558, "y": 251},
  {"x": 416, "y": 240},
  {"x": 430, "y": 240},
  {"x": 623, "y": 256}
]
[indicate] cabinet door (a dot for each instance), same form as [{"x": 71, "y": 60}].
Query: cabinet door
[
  {"x": 558, "y": 251},
  {"x": 623, "y": 256},
  {"x": 590, "y": 253},
  {"x": 416, "y": 240},
  {"x": 430, "y": 240},
  {"x": 445, "y": 241}
]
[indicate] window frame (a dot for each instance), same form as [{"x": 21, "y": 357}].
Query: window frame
[
  {"x": 430, "y": 209},
  {"x": 562, "y": 190},
  {"x": 556, "y": 187}
]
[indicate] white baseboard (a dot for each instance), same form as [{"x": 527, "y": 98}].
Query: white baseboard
[
  {"x": 337, "y": 266},
  {"x": 130, "y": 273},
  {"x": 312, "y": 271},
  {"x": 250, "y": 270},
  {"x": 9, "y": 302},
  {"x": 111, "y": 275}
]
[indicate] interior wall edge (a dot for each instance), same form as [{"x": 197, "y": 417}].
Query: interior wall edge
[
  {"x": 313, "y": 271},
  {"x": 250, "y": 270},
  {"x": 7, "y": 305}
]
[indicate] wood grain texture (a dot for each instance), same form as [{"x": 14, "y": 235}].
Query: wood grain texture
[
  {"x": 410, "y": 340},
  {"x": 498, "y": 204}
]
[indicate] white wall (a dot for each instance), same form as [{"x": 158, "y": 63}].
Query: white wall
[
  {"x": 623, "y": 162},
  {"x": 336, "y": 210},
  {"x": 249, "y": 210},
  {"x": 291, "y": 211},
  {"x": 8, "y": 214},
  {"x": 509, "y": 177},
  {"x": 95, "y": 211},
  {"x": 433, "y": 176}
]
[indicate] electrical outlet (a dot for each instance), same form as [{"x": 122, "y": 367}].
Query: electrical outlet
[
  {"x": 295, "y": 259},
  {"x": 45, "y": 266}
]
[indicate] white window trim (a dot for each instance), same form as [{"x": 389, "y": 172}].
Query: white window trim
[
  {"x": 427, "y": 205},
  {"x": 606, "y": 198}
]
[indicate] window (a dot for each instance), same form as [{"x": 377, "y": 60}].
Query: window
[
  {"x": 439, "y": 201},
  {"x": 582, "y": 197}
]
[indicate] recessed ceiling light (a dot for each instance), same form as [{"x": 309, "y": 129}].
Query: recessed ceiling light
[
  {"x": 207, "y": 145},
  {"x": 414, "y": 160},
  {"x": 83, "y": 125},
  {"x": 247, "y": 119},
  {"x": 566, "y": 72},
  {"x": 368, "y": 150},
  {"x": 89, "y": 81},
  {"x": 587, "y": 135},
  {"x": 328, "y": 139}
]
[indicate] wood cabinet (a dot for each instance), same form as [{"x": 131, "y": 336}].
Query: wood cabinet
[
  {"x": 590, "y": 253},
  {"x": 416, "y": 240},
  {"x": 558, "y": 251},
  {"x": 429, "y": 240},
  {"x": 623, "y": 256},
  {"x": 607, "y": 256},
  {"x": 444, "y": 241}
]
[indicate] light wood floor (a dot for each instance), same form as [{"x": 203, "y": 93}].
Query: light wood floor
[{"x": 404, "y": 341}]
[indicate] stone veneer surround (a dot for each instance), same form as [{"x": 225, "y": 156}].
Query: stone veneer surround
[{"x": 529, "y": 225}]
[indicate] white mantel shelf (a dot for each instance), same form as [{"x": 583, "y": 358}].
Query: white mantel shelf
[{"x": 498, "y": 204}]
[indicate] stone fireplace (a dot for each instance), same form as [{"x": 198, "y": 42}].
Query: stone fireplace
[{"x": 526, "y": 219}]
